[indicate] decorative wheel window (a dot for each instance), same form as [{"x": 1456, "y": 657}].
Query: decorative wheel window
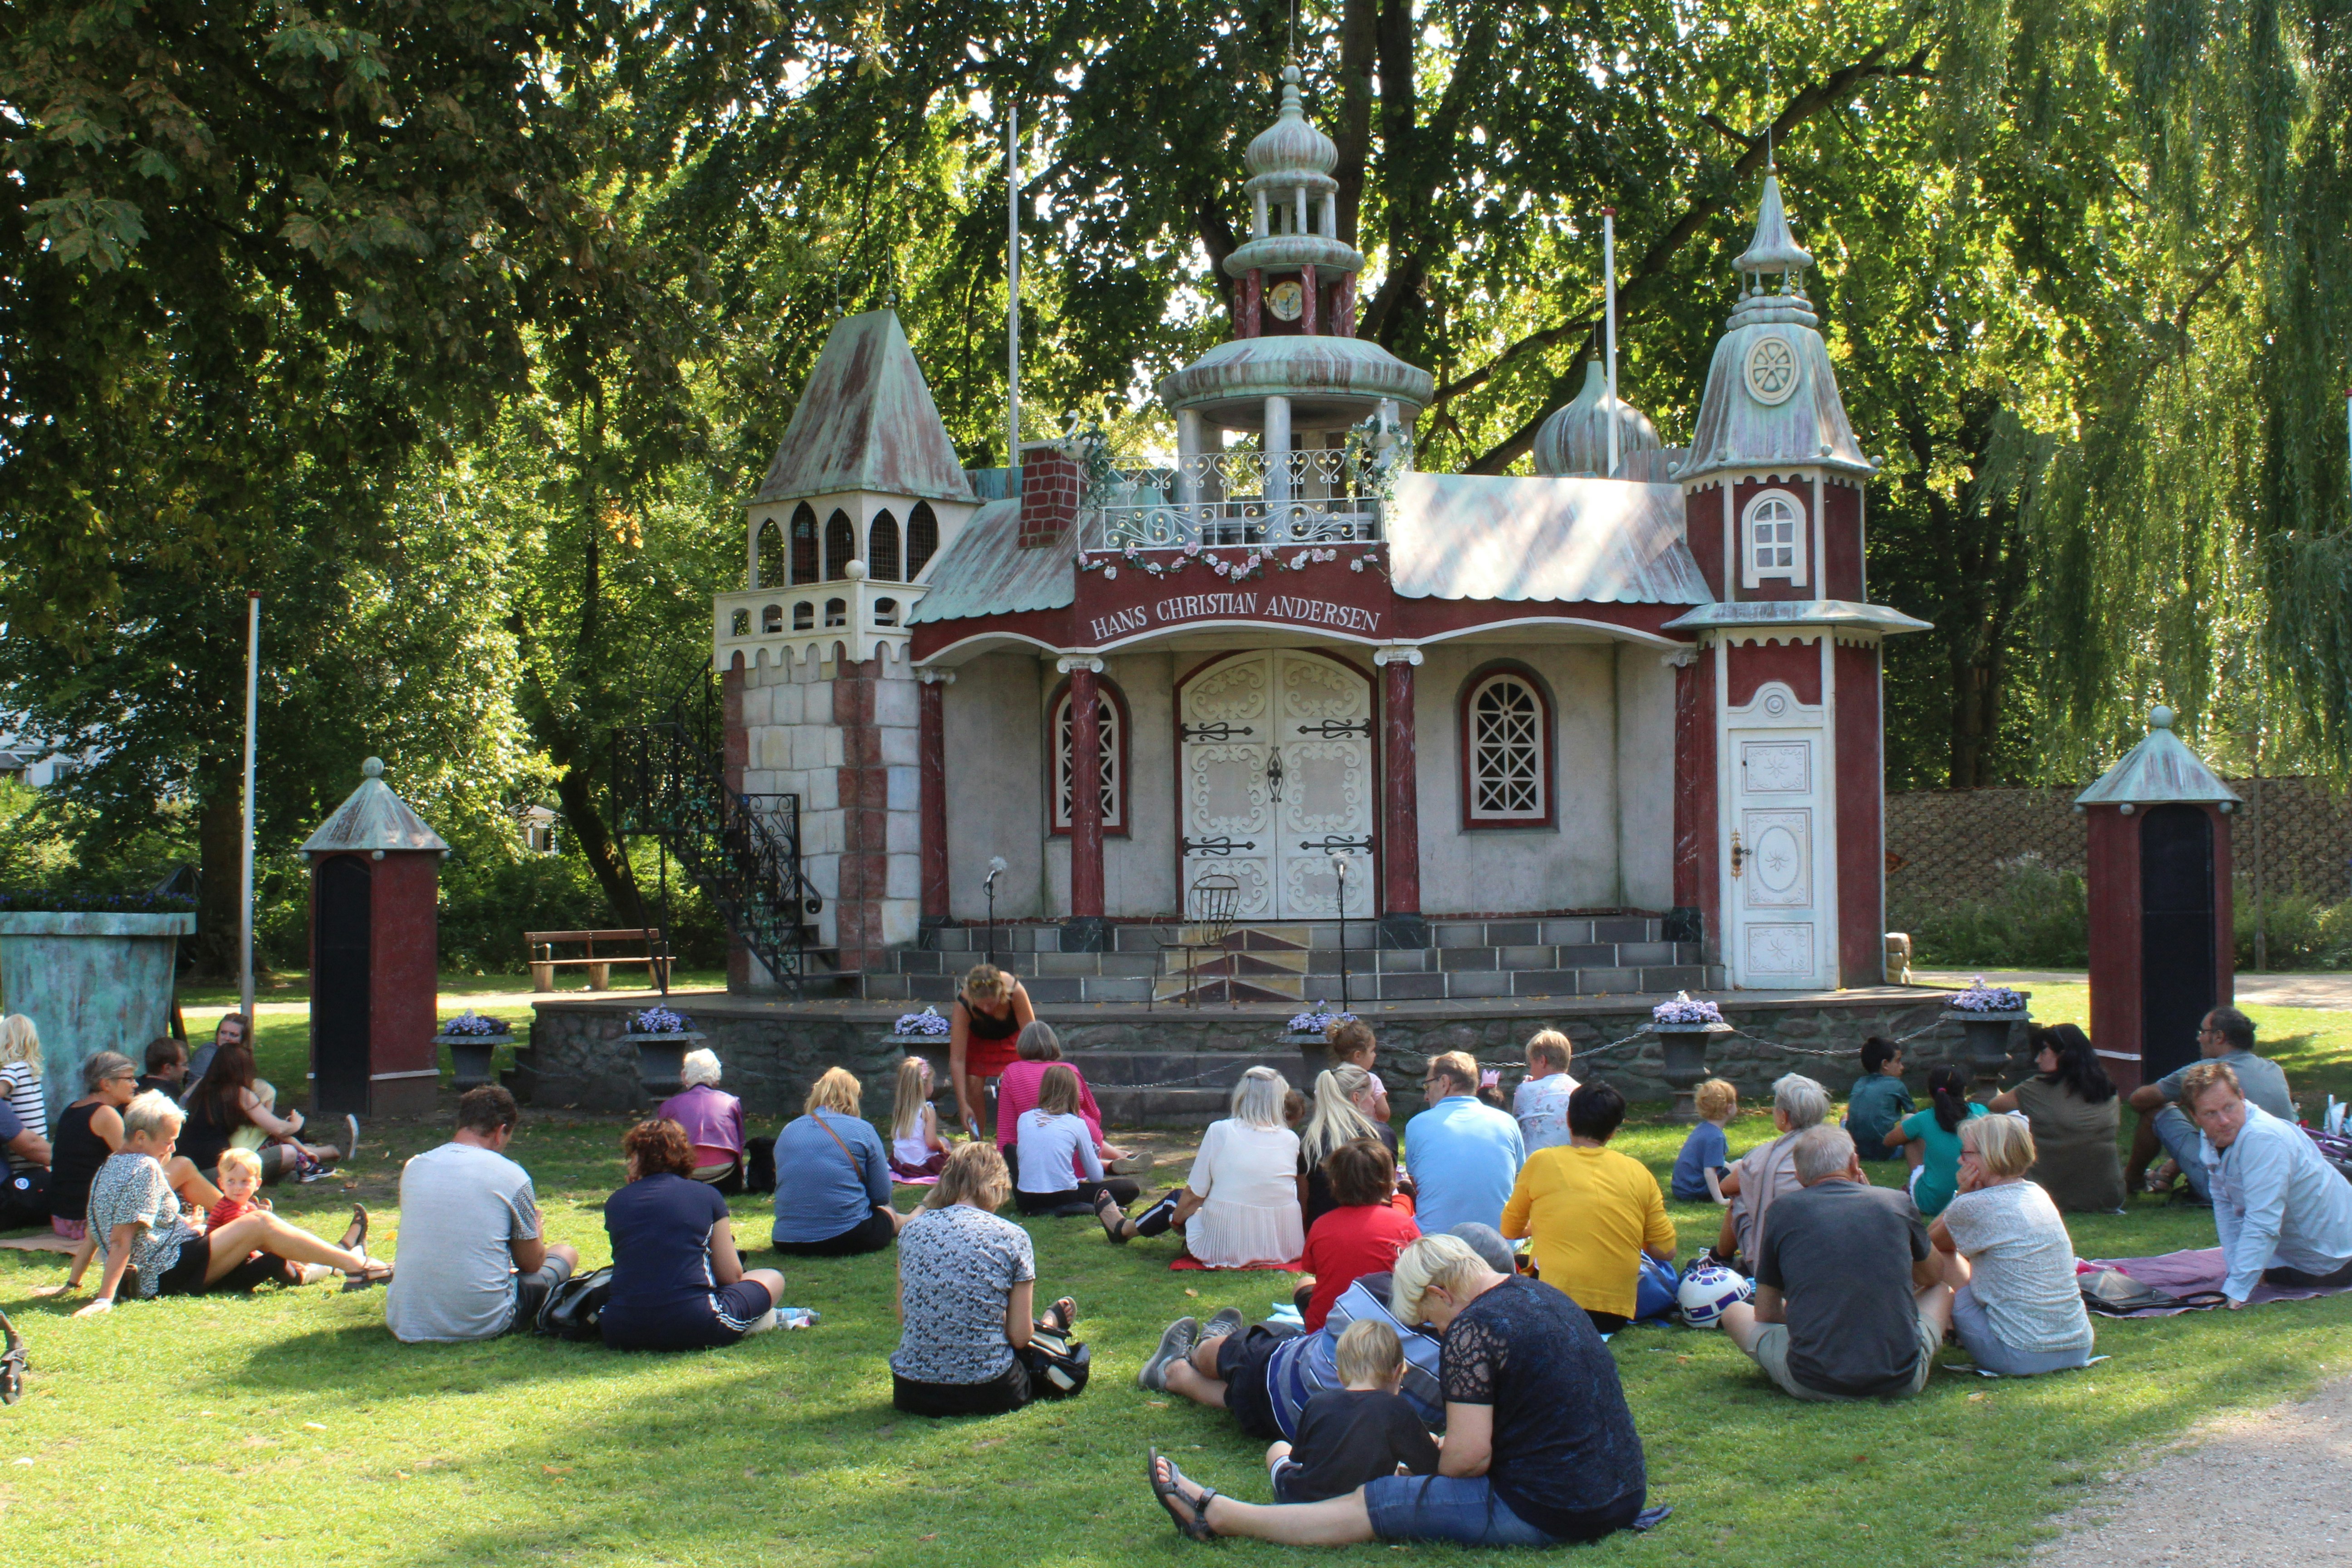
[
  {"x": 1775, "y": 532},
  {"x": 1506, "y": 752},
  {"x": 1111, "y": 723}
]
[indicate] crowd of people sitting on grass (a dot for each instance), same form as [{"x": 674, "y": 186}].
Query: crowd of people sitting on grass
[{"x": 1444, "y": 1374}]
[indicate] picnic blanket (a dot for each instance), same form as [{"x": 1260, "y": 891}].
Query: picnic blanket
[
  {"x": 2178, "y": 1273},
  {"x": 1296, "y": 1266}
]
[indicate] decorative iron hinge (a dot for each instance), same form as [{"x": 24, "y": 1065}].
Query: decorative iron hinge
[
  {"x": 1219, "y": 731},
  {"x": 1334, "y": 729},
  {"x": 1220, "y": 846},
  {"x": 1330, "y": 843}
]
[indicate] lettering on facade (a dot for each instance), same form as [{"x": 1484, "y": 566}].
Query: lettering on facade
[{"x": 1289, "y": 608}]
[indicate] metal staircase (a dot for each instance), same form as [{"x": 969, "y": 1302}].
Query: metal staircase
[{"x": 742, "y": 850}]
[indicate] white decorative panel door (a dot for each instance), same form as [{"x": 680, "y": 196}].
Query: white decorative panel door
[
  {"x": 1276, "y": 753},
  {"x": 1779, "y": 937}
]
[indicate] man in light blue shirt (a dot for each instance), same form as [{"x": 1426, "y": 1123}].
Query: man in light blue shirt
[
  {"x": 1464, "y": 1154},
  {"x": 2284, "y": 1215}
]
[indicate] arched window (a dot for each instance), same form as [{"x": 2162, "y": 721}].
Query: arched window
[
  {"x": 1506, "y": 745},
  {"x": 1110, "y": 715},
  {"x": 740, "y": 624},
  {"x": 771, "y": 619},
  {"x": 922, "y": 540},
  {"x": 840, "y": 546},
  {"x": 804, "y": 616},
  {"x": 882, "y": 549},
  {"x": 836, "y": 613},
  {"x": 1776, "y": 540},
  {"x": 771, "y": 556},
  {"x": 886, "y": 612},
  {"x": 805, "y": 545}
]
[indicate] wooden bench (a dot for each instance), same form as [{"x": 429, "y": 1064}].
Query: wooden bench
[{"x": 599, "y": 966}]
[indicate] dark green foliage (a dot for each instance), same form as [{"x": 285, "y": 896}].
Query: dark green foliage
[{"x": 2039, "y": 920}]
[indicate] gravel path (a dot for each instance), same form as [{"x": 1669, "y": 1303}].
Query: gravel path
[
  {"x": 2333, "y": 992},
  {"x": 2270, "y": 1488}
]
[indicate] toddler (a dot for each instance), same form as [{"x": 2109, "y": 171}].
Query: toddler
[
  {"x": 1706, "y": 1158},
  {"x": 20, "y": 1073},
  {"x": 1364, "y": 1429},
  {"x": 239, "y": 1174},
  {"x": 1541, "y": 1102},
  {"x": 1353, "y": 1041},
  {"x": 916, "y": 1150}
]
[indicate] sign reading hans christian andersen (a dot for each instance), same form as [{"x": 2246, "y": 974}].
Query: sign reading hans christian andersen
[{"x": 1289, "y": 609}]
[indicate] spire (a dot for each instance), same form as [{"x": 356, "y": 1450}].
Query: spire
[
  {"x": 1773, "y": 249},
  {"x": 1292, "y": 145}
]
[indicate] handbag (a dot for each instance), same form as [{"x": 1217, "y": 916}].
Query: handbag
[
  {"x": 2112, "y": 1293},
  {"x": 576, "y": 1309},
  {"x": 1058, "y": 1365}
]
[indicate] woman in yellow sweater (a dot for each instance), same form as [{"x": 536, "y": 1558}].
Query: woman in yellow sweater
[{"x": 1592, "y": 1212}]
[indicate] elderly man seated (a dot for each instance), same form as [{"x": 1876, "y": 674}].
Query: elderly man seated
[
  {"x": 1850, "y": 1301},
  {"x": 2284, "y": 1215}
]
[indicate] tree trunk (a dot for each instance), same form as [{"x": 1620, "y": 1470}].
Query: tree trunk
[
  {"x": 573, "y": 794},
  {"x": 220, "y": 867}
]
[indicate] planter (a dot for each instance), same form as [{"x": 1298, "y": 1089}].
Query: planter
[
  {"x": 1987, "y": 1036},
  {"x": 1683, "y": 1048},
  {"x": 661, "y": 1060},
  {"x": 90, "y": 982},
  {"x": 469, "y": 1056}
]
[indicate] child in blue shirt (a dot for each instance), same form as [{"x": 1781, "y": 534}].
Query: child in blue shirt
[
  {"x": 1706, "y": 1158},
  {"x": 1879, "y": 1101}
]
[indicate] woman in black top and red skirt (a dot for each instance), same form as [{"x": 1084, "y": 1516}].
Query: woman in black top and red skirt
[{"x": 983, "y": 1027}]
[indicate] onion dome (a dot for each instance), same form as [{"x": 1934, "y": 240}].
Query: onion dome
[
  {"x": 1292, "y": 145},
  {"x": 1574, "y": 441}
]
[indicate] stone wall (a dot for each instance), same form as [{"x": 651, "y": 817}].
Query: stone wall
[{"x": 1945, "y": 843}]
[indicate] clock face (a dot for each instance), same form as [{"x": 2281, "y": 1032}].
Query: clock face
[{"x": 1287, "y": 300}]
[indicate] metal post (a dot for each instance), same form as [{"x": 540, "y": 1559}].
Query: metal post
[
  {"x": 1012, "y": 292},
  {"x": 252, "y": 714},
  {"x": 1339, "y": 868},
  {"x": 1609, "y": 324},
  {"x": 988, "y": 886}
]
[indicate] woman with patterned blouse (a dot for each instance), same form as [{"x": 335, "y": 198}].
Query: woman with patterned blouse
[{"x": 966, "y": 1280}]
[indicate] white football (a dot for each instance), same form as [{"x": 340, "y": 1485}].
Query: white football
[{"x": 1706, "y": 1289}]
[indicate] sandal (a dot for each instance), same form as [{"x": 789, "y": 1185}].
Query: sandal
[
  {"x": 375, "y": 1273},
  {"x": 1196, "y": 1528},
  {"x": 357, "y": 1233},
  {"x": 1113, "y": 1218},
  {"x": 1061, "y": 1314}
]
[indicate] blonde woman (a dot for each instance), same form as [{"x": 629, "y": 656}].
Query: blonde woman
[
  {"x": 1539, "y": 1449},
  {"x": 1240, "y": 1205},
  {"x": 2006, "y": 1254},
  {"x": 20, "y": 1072},
  {"x": 988, "y": 1015},
  {"x": 1345, "y": 1098},
  {"x": 966, "y": 1280},
  {"x": 832, "y": 1176}
]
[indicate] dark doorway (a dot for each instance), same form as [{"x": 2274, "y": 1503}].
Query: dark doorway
[
  {"x": 2176, "y": 934},
  {"x": 340, "y": 988}
]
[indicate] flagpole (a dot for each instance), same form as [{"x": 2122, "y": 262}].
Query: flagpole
[
  {"x": 1012, "y": 292},
  {"x": 1609, "y": 326},
  {"x": 252, "y": 710}
]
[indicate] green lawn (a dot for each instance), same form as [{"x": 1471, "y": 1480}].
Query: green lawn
[{"x": 290, "y": 1425}]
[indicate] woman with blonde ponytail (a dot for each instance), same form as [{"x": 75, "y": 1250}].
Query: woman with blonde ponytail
[{"x": 1344, "y": 1098}]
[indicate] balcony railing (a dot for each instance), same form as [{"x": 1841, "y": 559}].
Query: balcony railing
[{"x": 1317, "y": 496}]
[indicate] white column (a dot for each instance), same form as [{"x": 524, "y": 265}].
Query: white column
[
  {"x": 1257, "y": 215},
  {"x": 1278, "y": 449},
  {"x": 1188, "y": 455}
]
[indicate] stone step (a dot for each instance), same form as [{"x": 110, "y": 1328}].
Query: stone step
[
  {"x": 1146, "y": 937},
  {"x": 1211, "y": 986}
]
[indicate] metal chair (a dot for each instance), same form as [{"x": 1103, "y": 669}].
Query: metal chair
[{"x": 1217, "y": 899}]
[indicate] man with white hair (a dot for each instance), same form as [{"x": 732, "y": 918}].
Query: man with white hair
[
  {"x": 1851, "y": 1301},
  {"x": 2284, "y": 1215},
  {"x": 713, "y": 1121},
  {"x": 1765, "y": 1173}
]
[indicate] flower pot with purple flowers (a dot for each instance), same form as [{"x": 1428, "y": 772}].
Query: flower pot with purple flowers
[
  {"x": 472, "y": 1040},
  {"x": 1987, "y": 1015},
  {"x": 662, "y": 1038},
  {"x": 1683, "y": 1027}
]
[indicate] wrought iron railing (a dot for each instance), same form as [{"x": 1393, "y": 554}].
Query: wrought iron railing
[
  {"x": 1313, "y": 497},
  {"x": 742, "y": 850}
]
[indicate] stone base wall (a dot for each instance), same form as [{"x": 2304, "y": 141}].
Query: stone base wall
[{"x": 772, "y": 1055}]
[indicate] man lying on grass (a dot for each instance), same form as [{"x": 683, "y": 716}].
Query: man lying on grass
[
  {"x": 1540, "y": 1446},
  {"x": 145, "y": 1244}
]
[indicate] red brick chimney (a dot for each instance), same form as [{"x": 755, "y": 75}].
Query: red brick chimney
[{"x": 1050, "y": 487}]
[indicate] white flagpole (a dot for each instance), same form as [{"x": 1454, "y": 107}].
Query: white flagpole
[
  {"x": 252, "y": 711},
  {"x": 1608, "y": 325},
  {"x": 1013, "y": 291}
]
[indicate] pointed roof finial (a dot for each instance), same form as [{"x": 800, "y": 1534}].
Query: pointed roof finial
[{"x": 1774, "y": 248}]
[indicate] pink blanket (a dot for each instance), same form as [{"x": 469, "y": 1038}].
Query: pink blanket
[{"x": 2178, "y": 1273}]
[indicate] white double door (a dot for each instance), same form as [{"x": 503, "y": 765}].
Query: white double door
[
  {"x": 1276, "y": 754},
  {"x": 1776, "y": 873}
]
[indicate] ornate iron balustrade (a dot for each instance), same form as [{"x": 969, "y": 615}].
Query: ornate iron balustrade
[
  {"x": 1313, "y": 497},
  {"x": 742, "y": 850}
]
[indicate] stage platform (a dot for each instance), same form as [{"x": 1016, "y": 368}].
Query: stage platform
[{"x": 1173, "y": 1066}]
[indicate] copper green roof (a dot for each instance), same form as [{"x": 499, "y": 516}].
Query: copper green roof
[
  {"x": 866, "y": 421},
  {"x": 2159, "y": 771},
  {"x": 372, "y": 818}
]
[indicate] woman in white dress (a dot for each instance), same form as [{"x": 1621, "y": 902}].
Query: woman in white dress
[{"x": 1240, "y": 1205}]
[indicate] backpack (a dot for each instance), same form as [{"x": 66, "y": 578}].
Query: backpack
[
  {"x": 576, "y": 1309},
  {"x": 1058, "y": 1365}
]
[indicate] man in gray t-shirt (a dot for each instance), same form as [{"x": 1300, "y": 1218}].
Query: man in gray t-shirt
[
  {"x": 471, "y": 1263},
  {"x": 2225, "y": 1035}
]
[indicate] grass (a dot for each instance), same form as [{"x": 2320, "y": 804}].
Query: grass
[{"x": 292, "y": 1422}]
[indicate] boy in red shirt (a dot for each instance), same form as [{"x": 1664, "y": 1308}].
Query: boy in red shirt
[{"x": 1363, "y": 1235}]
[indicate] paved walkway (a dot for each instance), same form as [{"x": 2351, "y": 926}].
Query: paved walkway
[
  {"x": 2327, "y": 992},
  {"x": 2265, "y": 1487}
]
